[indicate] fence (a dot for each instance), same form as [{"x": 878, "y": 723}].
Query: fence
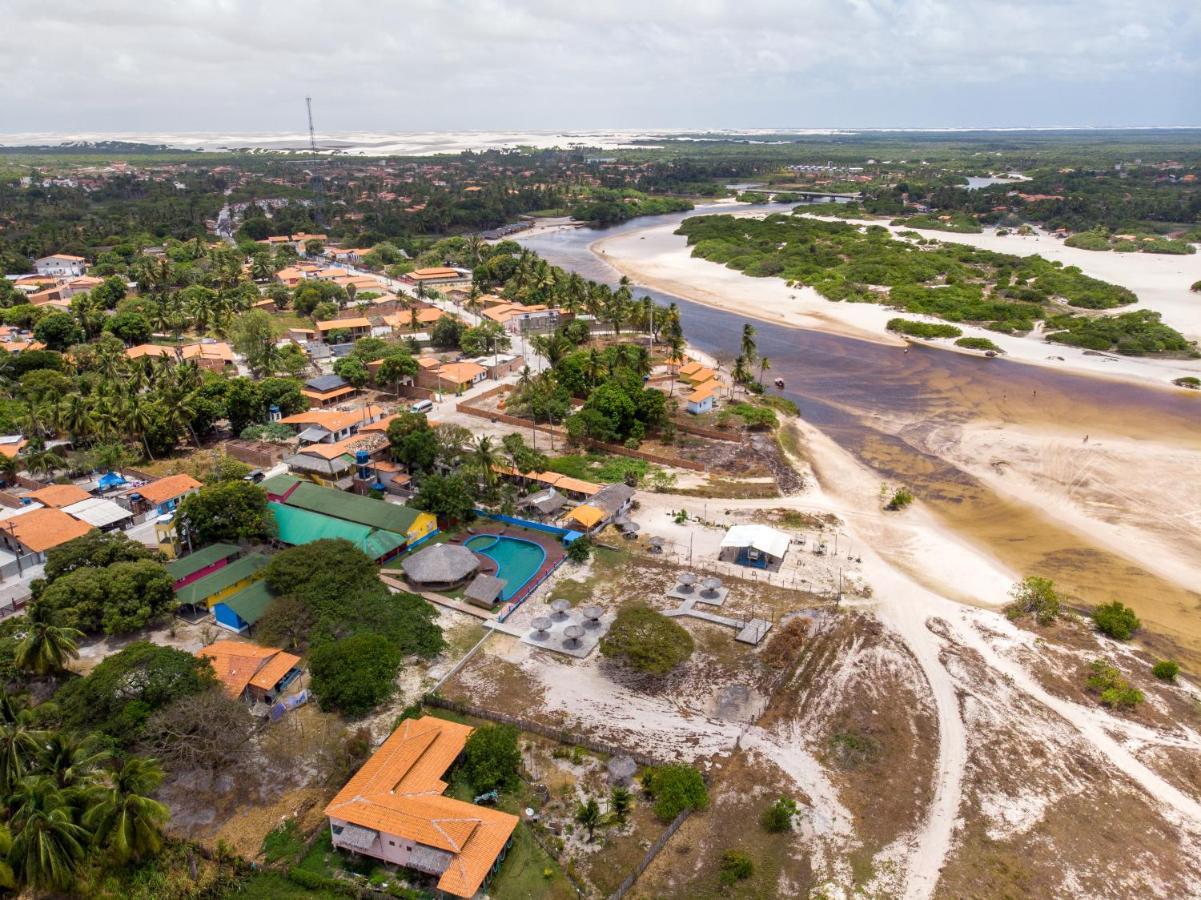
[
  {"x": 20, "y": 566},
  {"x": 526, "y": 523},
  {"x": 561, "y": 735},
  {"x": 651, "y": 853}
]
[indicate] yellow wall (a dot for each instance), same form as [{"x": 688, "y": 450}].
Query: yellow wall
[
  {"x": 423, "y": 525},
  {"x": 233, "y": 589}
]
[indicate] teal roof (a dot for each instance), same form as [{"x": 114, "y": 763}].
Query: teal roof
[
  {"x": 251, "y": 602},
  {"x": 239, "y": 570},
  {"x": 301, "y": 526},
  {"x": 194, "y": 562},
  {"x": 279, "y": 484},
  {"x": 353, "y": 508}
]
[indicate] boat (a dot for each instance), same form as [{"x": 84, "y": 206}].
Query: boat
[{"x": 780, "y": 384}]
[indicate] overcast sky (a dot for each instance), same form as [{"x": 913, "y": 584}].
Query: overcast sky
[{"x": 414, "y": 65}]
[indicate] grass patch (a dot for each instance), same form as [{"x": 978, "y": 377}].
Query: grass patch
[
  {"x": 853, "y": 749},
  {"x": 529, "y": 872},
  {"x": 284, "y": 842},
  {"x": 599, "y": 467},
  {"x": 273, "y": 886}
]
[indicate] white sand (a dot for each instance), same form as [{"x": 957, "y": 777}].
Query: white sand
[{"x": 657, "y": 258}]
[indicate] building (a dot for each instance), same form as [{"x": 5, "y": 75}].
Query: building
[
  {"x": 412, "y": 524},
  {"x": 703, "y": 397},
  {"x": 520, "y": 319},
  {"x": 194, "y": 566},
  {"x": 604, "y": 506},
  {"x": 393, "y": 809},
  {"x": 440, "y": 566},
  {"x": 759, "y": 546},
  {"x": 225, "y": 581},
  {"x": 100, "y": 513},
  {"x": 56, "y": 496},
  {"x": 439, "y": 277},
  {"x": 358, "y": 327},
  {"x": 37, "y": 530},
  {"x": 61, "y": 265},
  {"x": 325, "y": 390},
  {"x": 454, "y": 377},
  {"x": 297, "y": 527},
  {"x": 213, "y": 356},
  {"x": 500, "y": 365},
  {"x": 335, "y": 464},
  {"x": 164, "y": 495},
  {"x": 332, "y": 425},
  {"x": 250, "y": 672}
]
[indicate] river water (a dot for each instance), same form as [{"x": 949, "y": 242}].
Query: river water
[{"x": 878, "y": 402}]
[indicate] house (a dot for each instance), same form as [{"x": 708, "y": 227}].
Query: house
[
  {"x": 38, "y": 530},
  {"x": 414, "y": 525},
  {"x": 576, "y": 487},
  {"x": 194, "y": 566},
  {"x": 759, "y": 546},
  {"x": 605, "y": 505},
  {"x": 250, "y": 672},
  {"x": 500, "y": 365},
  {"x": 545, "y": 504},
  {"x": 56, "y": 496},
  {"x": 695, "y": 373},
  {"x": 334, "y": 465},
  {"x": 438, "y": 277},
  {"x": 213, "y": 356},
  {"x": 358, "y": 327},
  {"x": 137, "y": 352},
  {"x": 327, "y": 389},
  {"x": 332, "y": 425},
  {"x": 455, "y": 377},
  {"x": 61, "y": 265},
  {"x": 224, "y": 582},
  {"x": 297, "y": 527},
  {"x": 703, "y": 397},
  {"x": 520, "y": 319},
  {"x": 393, "y": 809},
  {"x": 164, "y": 494}
]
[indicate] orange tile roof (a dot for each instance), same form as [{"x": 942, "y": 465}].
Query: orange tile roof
[
  {"x": 219, "y": 350},
  {"x": 57, "y": 496},
  {"x": 343, "y": 323},
  {"x": 168, "y": 488},
  {"x": 332, "y": 419},
  {"x": 586, "y": 515},
  {"x": 12, "y": 450},
  {"x": 460, "y": 372},
  {"x": 691, "y": 367},
  {"x": 241, "y": 663},
  {"x": 44, "y": 529},
  {"x": 398, "y": 791},
  {"x": 704, "y": 391},
  {"x": 149, "y": 350},
  {"x": 698, "y": 376},
  {"x": 328, "y": 395},
  {"x": 435, "y": 272}
]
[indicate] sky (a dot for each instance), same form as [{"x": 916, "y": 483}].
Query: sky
[{"x": 477, "y": 65}]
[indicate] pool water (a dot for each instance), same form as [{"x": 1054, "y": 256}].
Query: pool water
[{"x": 517, "y": 561}]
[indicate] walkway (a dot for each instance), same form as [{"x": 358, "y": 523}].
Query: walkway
[
  {"x": 751, "y": 631},
  {"x": 448, "y": 602}
]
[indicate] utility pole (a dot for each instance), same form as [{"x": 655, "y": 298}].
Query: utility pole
[{"x": 308, "y": 102}]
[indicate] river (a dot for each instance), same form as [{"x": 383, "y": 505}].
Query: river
[{"x": 883, "y": 405}]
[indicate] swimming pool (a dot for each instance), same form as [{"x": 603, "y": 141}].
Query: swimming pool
[{"x": 517, "y": 560}]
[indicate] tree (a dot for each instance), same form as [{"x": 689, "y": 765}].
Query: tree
[
  {"x": 413, "y": 441},
  {"x": 674, "y": 788},
  {"x": 117, "y": 599},
  {"x": 46, "y": 647},
  {"x": 620, "y": 801},
  {"x": 96, "y": 549},
  {"x": 588, "y": 814},
  {"x": 253, "y": 337},
  {"x": 485, "y": 338},
  {"x": 124, "y": 820},
  {"x": 353, "y": 370},
  {"x": 131, "y": 327},
  {"x": 647, "y": 640},
  {"x": 492, "y": 758},
  {"x": 227, "y": 511},
  {"x": 1116, "y": 620},
  {"x": 396, "y": 367},
  {"x": 579, "y": 550},
  {"x": 1113, "y": 690},
  {"x": 446, "y": 332},
  {"x": 355, "y": 674},
  {"x": 778, "y": 817},
  {"x": 448, "y": 497},
  {"x": 119, "y": 694},
  {"x": 1034, "y": 596},
  {"x": 58, "y": 331},
  {"x": 48, "y": 846}
]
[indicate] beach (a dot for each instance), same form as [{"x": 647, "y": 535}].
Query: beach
[{"x": 657, "y": 258}]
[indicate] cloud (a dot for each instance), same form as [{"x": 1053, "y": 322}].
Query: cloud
[{"x": 204, "y": 65}]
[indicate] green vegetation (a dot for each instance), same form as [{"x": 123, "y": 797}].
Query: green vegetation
[
  {"x": 602, "y": 467},
  {"x": 606, "y": 207},
  {"x": 1088, "y": 240},
  {"x": 355, "y": 674},
  {"x": 227, "y": 511},
  {"x": 646, "y": 640},
  {"x": 1116, "y": 620},
  {"x": 1113, "y": 690},
  {"x": 674, "y": 788},
  {"x": 978, "y": 343},
  {"x": 1034, "y": 596},
  {"x": 923, "y": 329},
  {"x": 735, "y": 866},
  {"x": 1139, "y": 333},
  {"x": 778, "y": 817},
  {"x": 1166, "y": 670},
  {"x": 1188, "y": 381},
  {"x": 958, "y": 223},
  {"x": 900, "y": 498},
  {"x": 492, "y": 758}
]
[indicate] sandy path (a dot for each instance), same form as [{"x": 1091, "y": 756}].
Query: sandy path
[{"x": 657, "y": 258}]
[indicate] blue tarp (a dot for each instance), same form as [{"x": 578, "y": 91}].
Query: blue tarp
[{"x": 110, "y": 480}]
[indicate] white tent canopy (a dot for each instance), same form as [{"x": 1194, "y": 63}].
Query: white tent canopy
[{"x": 758, "y": 537}]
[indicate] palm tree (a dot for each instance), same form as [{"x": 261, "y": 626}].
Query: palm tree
[
  {"x": 71, "y": 763},
  {"x": 46, "y": 647},
  {"x": 485, "y": 456},
  {"x": 764, "y": 365},
  {"x": 589, "y": 815},
  {"x": 18, "y": 748},
  {"x": 749, "y": 351},
  {"x": 139, "y": 419},
  {"x": 124, "y": 818},
  {"x": 74, "y": 415},
  {"x": 40, "y": 460},
  {"x": 7, "y": 880},
  {"x": 48, "y": 847}
]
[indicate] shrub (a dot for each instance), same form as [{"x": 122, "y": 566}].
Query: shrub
[
  {"x": 735, "y": 866},
  {"x": 1114, "y": 690},
  {"x": 1116, "y": 620},
  {"x": 1034, "y": 596},
  {"x": 647, "y": 640},
  {"x": 579, "y": 550},
  {"x": 901, "y": 498},
  {"x": 355, "y": 674},
  {"x": 1088, "y": 240},
  {"x": 1188, "y": 381},
  {"x": 492, "y": 758},
  {"x": 978, "y": 343},
  {"x": 674, "y": 788},
  {"x": 923, "y": 329},
  {"x": 777, "y": 818},
  {"x": 1196, "y": 287},
  {"x": 1166, "y": 670}
]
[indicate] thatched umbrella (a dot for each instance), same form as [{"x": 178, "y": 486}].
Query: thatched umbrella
[
  {"x": 541, "y": 627},
  {"x": 686, "y": 581}
]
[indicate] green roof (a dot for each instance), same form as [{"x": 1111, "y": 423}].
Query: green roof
[
  {"x": 251, "y": 602},
  {"x": 279, "y": 484},
  {"x": 194, "y": 562},
  {"x": 353, "y": 508},
  {"x": 301, "y": 526},
  {"x": 240, "y": 569}
]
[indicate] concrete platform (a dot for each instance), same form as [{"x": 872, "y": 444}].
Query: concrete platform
[
  {"x": 555, "y": 639},
  {"x": 754, "y": 631},
  {"x": 697, "y": 595},
  {"x": 751, "y": 632}
]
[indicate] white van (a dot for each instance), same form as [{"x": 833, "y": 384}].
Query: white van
[{"x": 422, "y": 406}]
